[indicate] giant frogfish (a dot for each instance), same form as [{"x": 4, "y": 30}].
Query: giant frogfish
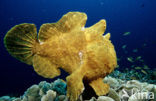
[{"x": 84, "y": 52}]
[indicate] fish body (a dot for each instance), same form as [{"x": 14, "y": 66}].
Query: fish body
[
  {"x": 64, "y": 51},
  {"x": 143, "y": 71},
  {"x": 82, "y": 52},
  {"x": 138, "y": 68},
  {"x": 138, "y": 58},
  {"x": 135, "y": 50},
  {"x": 146, "y": 67},
  {"x": 126, "y": 33},
  {"x": 130, "y": 59},
  {"x": 124, "y": 46}
]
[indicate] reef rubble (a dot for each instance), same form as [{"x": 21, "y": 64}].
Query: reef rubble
[{"x": 120, "y": 90}]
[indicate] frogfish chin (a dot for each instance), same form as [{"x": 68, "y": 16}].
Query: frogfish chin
[{"x": 84, "y": 52}]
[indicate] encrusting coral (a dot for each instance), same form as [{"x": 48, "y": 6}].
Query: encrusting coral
[
  {"x": 50, "y": 96},
  {"x": 123, "y": 91},
  {"x": 82, "y": 52}
]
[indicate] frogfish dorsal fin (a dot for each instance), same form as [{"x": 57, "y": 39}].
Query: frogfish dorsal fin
[
  {"x": 98, "y": 28},
  {"x": 47, "y": 30},
  {"x": 96, "y": 31},
  {"x": 107, "y": 36},
  {"x": 44, "y": 67},
  {"x": 68, "y": 22},
  {"x": 72, "y": 20}
]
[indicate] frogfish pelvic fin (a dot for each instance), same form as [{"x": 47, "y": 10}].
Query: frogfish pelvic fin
[{"x": 81, "y": 51}]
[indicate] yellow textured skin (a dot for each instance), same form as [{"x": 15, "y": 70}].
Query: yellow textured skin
[{"x": 82, "y": 52}]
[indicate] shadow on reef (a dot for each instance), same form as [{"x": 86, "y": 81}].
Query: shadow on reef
[{"x": 88, "y": 93}]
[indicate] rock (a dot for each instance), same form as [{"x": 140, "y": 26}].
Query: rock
[
  {"x": 17, "y": 99},
  {"x": 60, "y": 98},
  {"x": 59, "y": 86},
  {"x": 7, "y": 98},
  {"x": 119, "y": 91},
  {"x": 113, "y": 94},
  {"x": 44, "y": 87},
  {"x": 93, "y": 99},
  {"x": 32, "y": 94},
  {"x": 141, "y": 96},
  {"x": 113, "y": 83},
  {"x": 104, "y": 98},
  {"x": 50, "y": 96},
  {"x": 149, "y": 87}
]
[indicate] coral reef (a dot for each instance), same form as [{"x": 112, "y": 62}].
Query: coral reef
[
  {"x": 132, "y": 90},
  {"x": 120, "y": 90},
  {"x": 7, "y": 98},
  {"x": 132, "y": 74},
  {"x": 50, "y": 96}
]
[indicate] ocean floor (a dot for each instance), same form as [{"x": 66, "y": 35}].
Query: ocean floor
[{"x": 120, "y": 90}]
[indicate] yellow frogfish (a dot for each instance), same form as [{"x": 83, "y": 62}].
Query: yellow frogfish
[{"x": 84, "y": 52}]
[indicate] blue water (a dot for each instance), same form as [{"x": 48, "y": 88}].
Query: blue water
[{"x": 135, "y": 16}]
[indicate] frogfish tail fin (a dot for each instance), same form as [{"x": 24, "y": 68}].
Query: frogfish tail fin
[{"x": 20, "y": 42}]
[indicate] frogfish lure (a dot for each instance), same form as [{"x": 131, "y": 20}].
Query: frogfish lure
[{"x": 84, "y": 52}]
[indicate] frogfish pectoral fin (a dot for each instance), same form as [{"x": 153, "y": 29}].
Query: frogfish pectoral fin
[
  {"x": 44, "y": 67},
  {"x": 99, "y": 87},
  {"x": 20, "y": 42}
]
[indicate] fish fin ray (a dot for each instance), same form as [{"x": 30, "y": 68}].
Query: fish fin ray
[
  {"x": 98, "y": 28},
  {"x": 72, "y": 20},
  {"x": 47, "y": 30},
  {"x": 16, "y": 39}
]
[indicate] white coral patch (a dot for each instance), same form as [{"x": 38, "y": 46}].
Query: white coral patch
[{"x": 50, "y": 96}]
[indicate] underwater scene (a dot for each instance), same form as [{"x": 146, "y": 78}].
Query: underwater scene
[{"x": 78, "y": 50}]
